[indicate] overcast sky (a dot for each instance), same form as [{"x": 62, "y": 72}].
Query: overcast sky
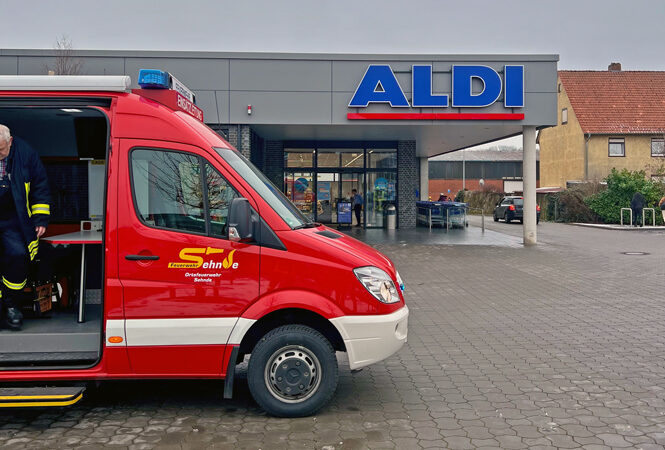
[{"x": 586, "y": 34}]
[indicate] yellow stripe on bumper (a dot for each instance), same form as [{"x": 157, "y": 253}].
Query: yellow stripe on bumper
[{"x": 41, "y": 404}]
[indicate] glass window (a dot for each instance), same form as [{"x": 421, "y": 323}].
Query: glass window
[
  {"x": 168, "y": 191},
  {"x": 564, "y": 116},
  {"x": 299, "y": 158},
  {"x": 519, "y": 201},
  {"x": 353, "y": 158},
  {"x": 220, "y": 194},
  {"x": 617, "y": 147},
  {"x": 327, "y": 158},
  {"x": 262, "y": 186},
  {"x": 300, "y": 190},
  {"x": 657, "y": 147},
  {"x": 382, "y": 159}
]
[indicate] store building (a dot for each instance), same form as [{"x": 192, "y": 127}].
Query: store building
[
  {"x": 498, "y": 170},
  {"x": 607, "y": 119},
  {"x": 320, "y": 125}
]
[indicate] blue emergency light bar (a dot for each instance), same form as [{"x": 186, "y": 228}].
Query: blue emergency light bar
[{"x": 154, "y": 79}]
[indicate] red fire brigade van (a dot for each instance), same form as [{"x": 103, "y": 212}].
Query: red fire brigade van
[{"x": 201, "y": 261}]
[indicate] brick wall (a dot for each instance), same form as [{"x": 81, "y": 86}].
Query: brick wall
[
  {"x": 437, "y": 187},
  {"x": 240, "y": 136},
  {"x": 408, "y": 183},
  {"x": 273, "y": 162},
  {"x": 244, "y": 139}
]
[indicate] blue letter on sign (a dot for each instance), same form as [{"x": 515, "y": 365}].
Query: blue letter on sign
[
  {"x": 463, "y": 95},
  {"x": 514, "y": 93},
  {"x": 422, "y": 89},
  {"x": 379, "y": 85}
]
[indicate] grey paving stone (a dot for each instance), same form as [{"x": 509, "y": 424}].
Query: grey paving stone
[{"x": 570, "y": 354}]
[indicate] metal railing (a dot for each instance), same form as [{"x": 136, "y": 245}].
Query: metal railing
[
  {"x": 644, "y": 210},
  {"x": 631, "y": 215},
  {"x": 653, "y": 215}
]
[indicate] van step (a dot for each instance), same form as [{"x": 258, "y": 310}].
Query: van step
[
  {"x": 21, "y": 397},
  {"x": 43, "y": 358}
]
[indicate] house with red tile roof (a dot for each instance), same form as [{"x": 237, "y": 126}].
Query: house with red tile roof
[{"x": 607, "y": 119}]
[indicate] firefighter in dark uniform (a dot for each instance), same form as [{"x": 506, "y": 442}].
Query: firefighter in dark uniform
[{"x": 24, "y": 214}]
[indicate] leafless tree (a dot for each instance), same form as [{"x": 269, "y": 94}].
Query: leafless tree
[{"x": 65, "y": 62}]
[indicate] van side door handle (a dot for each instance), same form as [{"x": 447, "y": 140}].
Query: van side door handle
[{"x": 141, "y": 257}]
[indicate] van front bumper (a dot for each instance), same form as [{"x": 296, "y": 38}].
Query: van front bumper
[{"x": 369, "y": 339}]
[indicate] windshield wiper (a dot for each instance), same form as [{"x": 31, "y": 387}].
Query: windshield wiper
[{"x": 307, "y": 225}]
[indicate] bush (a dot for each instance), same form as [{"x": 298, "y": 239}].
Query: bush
[
  {"x": 485, "y": 199},
  {"x": 570, "y": 206},
  {"x": 621, "y": 186}
]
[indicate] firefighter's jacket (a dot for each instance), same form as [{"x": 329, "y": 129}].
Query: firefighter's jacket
[{"x": 29, "y": 186}]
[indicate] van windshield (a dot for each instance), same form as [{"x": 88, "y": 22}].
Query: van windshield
[{"x": 264, "y": 187}]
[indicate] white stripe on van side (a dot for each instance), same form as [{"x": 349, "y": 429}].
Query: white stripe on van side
[
  {"x": 240, "y": 329},
  {"x": 157, "y": 332},
  {"x": 115, "y": 328}
]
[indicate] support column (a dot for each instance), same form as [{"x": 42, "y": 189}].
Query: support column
[
  {"x": 529, "y": 182},
  {"x": 407, "y": 184},
  {"x": 424, "y": 179}
]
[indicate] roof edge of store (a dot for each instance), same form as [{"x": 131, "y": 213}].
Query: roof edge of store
[{"x": 286, "y": 55}]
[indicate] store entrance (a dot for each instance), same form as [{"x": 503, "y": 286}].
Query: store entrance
[
  {"x": 320, "y": 175},
  {"x": 334, "y": 187}
]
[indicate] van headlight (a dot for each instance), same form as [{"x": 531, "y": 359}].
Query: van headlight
[{"x": 378, "y": 283}]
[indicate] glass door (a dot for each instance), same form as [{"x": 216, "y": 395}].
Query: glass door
[
  {"x": 351, "y": 181},
  {"x": 381, "y": 192},
  {"x": 327, "y": 192},
  {"x": 299, "y": 188}
]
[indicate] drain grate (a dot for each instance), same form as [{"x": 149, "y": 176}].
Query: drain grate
[{"x": 634, "y": 253}]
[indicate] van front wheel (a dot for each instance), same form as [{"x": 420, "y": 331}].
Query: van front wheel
[{"x": 292, "y": 371}]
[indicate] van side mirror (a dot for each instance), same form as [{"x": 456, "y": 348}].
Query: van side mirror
[{"x": 240, "y": 221}]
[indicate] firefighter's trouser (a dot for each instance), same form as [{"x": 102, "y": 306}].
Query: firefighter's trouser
[{"x": 13, "y": 261}]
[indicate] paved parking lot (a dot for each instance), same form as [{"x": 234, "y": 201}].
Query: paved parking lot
[{"x": 561, "y": 345}]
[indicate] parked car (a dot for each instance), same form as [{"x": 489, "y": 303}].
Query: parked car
[{"x": 511, "y": 208}]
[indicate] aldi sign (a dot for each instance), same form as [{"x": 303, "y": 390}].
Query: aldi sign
[{"x": 379, "y": 85}]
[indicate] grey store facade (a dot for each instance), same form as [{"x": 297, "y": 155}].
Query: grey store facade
[{"x": 320, "y": 125}]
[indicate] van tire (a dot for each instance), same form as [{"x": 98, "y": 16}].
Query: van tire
[{"x": 306, "y": 353}]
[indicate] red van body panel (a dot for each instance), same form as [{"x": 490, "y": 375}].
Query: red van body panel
[{"x": 164, "y": 312}]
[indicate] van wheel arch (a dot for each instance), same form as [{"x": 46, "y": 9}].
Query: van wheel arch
[{"x": 289, "y": 316}]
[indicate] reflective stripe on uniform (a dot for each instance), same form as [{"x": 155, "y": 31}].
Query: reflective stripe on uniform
[
  {"x": 33, "y": 247},
  {"x": 14, "y": 286},
  {"x": 27, "y": 196},
  {"x": 41, "y": 208}
]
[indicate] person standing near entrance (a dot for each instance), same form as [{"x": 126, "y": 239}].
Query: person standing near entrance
[
  {"x": 24, "y": 214},
  {"x": 357, "y": 201},
  {"x": 636, "y": 205},
  {"x": 661, "y": 203}
]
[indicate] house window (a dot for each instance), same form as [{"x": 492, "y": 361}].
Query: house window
[
  {"x": 564, "y": 116},
  {"x": 657, "y": 147},
  {"x": 617, "y": 147}
]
